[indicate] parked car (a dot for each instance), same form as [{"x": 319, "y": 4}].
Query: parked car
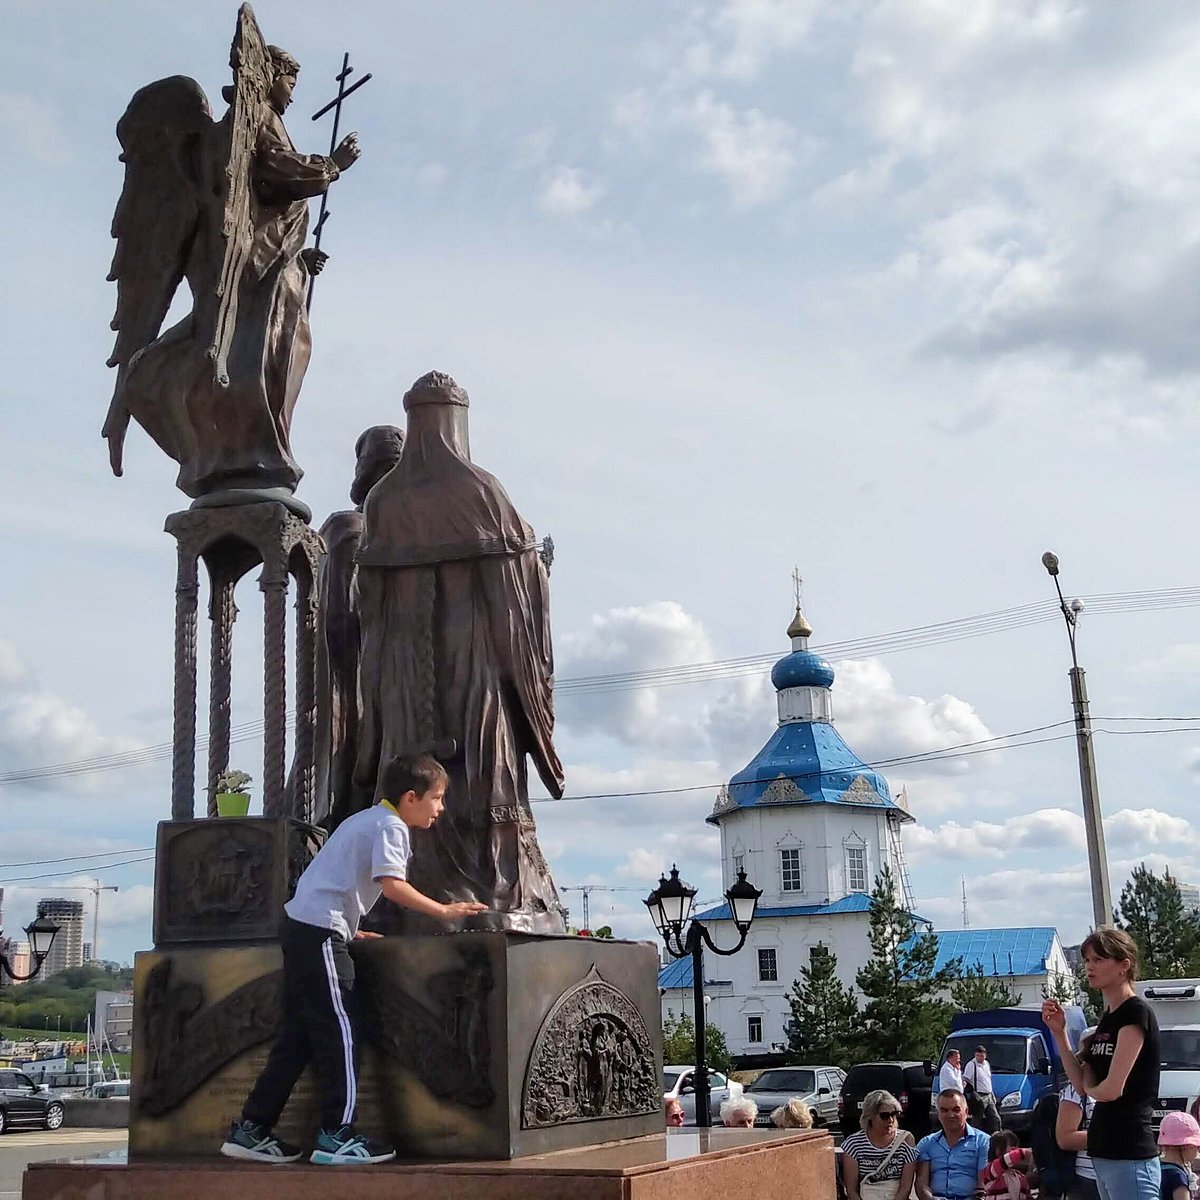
[
  {"x": 910, "y": 1082},
  {"x": 106, "y": 1091},
  {"x": 818, "y": 1087},
  {"x": 24, "y": 1103},
  {"x": 677, "y": 1085}
]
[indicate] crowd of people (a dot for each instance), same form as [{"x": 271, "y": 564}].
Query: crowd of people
[{"x": 1104, "y": 1125}]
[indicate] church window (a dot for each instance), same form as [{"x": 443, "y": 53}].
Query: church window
[
  {"x": 739, "y": 863},
  {"x": 768, "y": 966},
  {"x": 791, "y": 870},
  {"x": 856, "y": 868},
  {"x": 754, "y": 1029}
]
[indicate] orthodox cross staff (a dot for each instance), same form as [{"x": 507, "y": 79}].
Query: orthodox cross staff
[{"x": 336, "y": 105}]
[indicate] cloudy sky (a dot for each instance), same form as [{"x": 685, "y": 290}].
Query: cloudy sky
[{"x": 895, "y": 292}]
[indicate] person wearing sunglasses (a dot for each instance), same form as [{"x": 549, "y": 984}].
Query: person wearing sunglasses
[{"x": 879, "y": 1163}]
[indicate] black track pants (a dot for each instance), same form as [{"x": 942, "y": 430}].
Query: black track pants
[{"x": 321, "y": 1024}]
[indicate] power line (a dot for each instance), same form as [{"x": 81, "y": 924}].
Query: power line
[
  {"x": 42, "y": 862},
  {"x": 55, "y": 874}
]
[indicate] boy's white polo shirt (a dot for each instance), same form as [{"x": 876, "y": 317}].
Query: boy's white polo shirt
[{"x": 340, "y": 886}]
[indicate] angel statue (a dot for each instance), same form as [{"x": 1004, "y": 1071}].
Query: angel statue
[{"x": 224, "y": 205}]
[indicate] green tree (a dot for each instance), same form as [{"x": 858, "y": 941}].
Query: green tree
[
  {"x": 679, "y": 1043},
  {"x": 1063, "y": 988},
  {"x": 1167, "y": 934},
  {"x": 824, "y": 1021},
  {"x": 605, "y": 931},
  {"x": 973, "y": 991},
  {"x": 903, "y": 1017}
]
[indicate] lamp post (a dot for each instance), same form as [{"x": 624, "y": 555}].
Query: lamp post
[
  {"x": 41, "y": 934},
  {"x": 670, "y": 906},
  {"x": 1102, "y": 910}
]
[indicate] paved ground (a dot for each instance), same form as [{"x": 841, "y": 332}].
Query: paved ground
[{"x": 17, "y": 1150}]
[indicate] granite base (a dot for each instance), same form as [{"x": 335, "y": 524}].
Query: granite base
[{"x": 675, "y": 1165}]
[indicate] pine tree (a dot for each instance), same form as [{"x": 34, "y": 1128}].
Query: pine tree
[
  {"x": 903, "y": 1017},
  {"x": 1167, "y": 934},
  {"x": 824, "y": 1021},
  {"x": 973, "y": 991},
  {"x": 1063, "y": 988}
]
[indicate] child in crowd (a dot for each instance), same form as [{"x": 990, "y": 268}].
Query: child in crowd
[
  {"x": 366, "y": 856},
  {"x": 1007, "y": 1172},
  {"x": 1178, "y": 1144}
]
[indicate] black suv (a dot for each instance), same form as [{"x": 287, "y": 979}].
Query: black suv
[
  {"x": 23, "y": 1103},
  {"x": 910, "y": 1082}
]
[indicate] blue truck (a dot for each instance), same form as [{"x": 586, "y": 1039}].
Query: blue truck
[{"x": 1024, "y": 1059}]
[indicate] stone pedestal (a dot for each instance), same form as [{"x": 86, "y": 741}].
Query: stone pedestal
[
  {"x": 226, "y": 879},
  {"x": 479, "y": 1045},
  {"x": 676, "y": 1165}
]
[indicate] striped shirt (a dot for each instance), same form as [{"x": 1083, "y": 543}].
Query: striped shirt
[{"x": 868, "y": 1156}]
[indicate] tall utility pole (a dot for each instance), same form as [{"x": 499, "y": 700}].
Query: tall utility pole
[{"x": 1093, "y": 825}]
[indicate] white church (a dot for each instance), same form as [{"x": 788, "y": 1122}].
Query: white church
[{"x": 812, "y": 826}]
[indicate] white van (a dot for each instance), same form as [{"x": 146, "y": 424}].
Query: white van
[{"x": 1176, "y": 1004}]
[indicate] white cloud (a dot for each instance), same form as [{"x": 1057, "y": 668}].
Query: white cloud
[
  {"x": 432, "y": 176},
  {"x": 39, "y": 728},
  {"x": 568, "y": 192},
  {"x": 752, "y": 153},
  {"x": 880, "y": 722}
]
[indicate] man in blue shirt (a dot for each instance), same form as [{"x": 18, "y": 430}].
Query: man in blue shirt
[{"x": 950, "y": 1162}]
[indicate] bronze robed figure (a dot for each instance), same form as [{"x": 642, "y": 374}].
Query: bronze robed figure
[
  {"x": 223, "y": 205},
  {"x": 453, "y": 605}
]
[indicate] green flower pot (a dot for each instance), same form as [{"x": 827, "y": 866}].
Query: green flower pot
[{"x": 233, "y": 804}]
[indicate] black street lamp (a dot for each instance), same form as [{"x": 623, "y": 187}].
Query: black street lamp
[
  {"x": 670, "y": 906},
  {"x": 41, "y": 934}
]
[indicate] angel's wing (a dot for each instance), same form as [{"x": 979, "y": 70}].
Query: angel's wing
[
  {"x": 252, "y": 77},
  {"x": 163, "y": 136}
]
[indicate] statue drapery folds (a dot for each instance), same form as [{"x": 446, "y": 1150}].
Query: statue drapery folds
[{"x": 456, "y": 657}]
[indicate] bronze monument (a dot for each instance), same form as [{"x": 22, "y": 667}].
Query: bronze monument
[
  {"x": 339, "y": 641},
  {"x": 422, "y": 623},
  {"x": 223, "y": 205},
  {"x": 456, "y": 658}
]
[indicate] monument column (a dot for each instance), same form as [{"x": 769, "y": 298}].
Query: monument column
[{"x": 183, "y": 759}]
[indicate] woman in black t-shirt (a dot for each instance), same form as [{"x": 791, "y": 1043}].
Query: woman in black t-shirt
[{"x": 1117, "y": 1066}]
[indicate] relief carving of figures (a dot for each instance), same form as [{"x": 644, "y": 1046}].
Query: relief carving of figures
[
  {"x": 223, "y": 205},
  {"x": 440, "y": 1034},
  {"x": 592, "y": 1059},
  {"x": 339, "y": 642},
  {"x": 456, "y": 658},
  {"x": 188, "y": 1042}
]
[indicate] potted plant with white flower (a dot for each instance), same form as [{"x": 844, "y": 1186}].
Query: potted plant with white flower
[{"x": 232, "y": 798}]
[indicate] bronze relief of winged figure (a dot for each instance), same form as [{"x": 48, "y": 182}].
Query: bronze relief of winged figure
[{"x": 223, "y": 205}]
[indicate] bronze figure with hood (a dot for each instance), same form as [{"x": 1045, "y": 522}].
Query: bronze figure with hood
[{"x": 456, "y": 658}]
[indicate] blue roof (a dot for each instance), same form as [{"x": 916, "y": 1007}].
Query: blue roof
[
  {"x": 856, "y": 902},
  {"x": 678, "y": 974},
  {"x": 1023, "y": 951},
  {"x": 805, "y": 762}
]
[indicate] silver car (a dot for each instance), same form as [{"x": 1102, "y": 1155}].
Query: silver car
[
  {"x": 818, "y": 1087},
  {"x": 677, "y": 1085}
]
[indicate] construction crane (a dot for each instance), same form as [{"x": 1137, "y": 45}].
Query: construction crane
[
  {"x": 587, "y": 889},
  {"x": 95, "y": 888}
]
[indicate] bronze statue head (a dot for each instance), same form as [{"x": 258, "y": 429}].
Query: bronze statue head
[
  {"x": 435, "y": 388},
  {"x": 378, "y": 451}
]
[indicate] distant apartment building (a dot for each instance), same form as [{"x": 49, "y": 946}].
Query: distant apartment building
[
  {"x": 113, "y": 1018},
  {"x": 67, "y": 950},
  {"x": 1189, "y": 893}
]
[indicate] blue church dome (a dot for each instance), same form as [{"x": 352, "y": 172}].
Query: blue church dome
[{"x": 801, "y": 668}]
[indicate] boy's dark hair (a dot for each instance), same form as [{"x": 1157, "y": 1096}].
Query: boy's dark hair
[
  {"x": 1002, "y": 1142},
  {"x": 411, "y": 773}
]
